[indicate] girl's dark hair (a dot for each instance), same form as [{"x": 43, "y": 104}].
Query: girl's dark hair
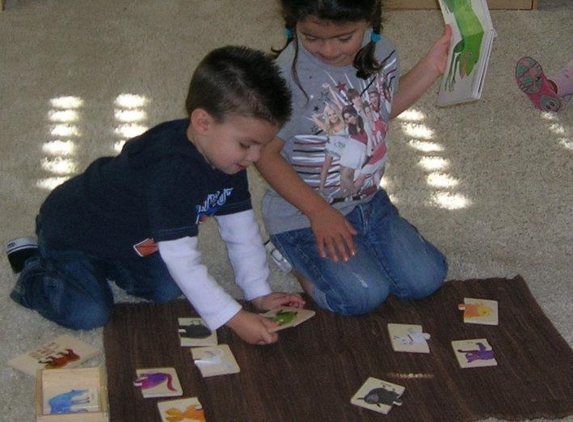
[
  {"x": 293, "y": 11},
  {"x": 240, "y": 81}
]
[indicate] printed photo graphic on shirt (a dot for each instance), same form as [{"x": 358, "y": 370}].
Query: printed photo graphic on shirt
[{"x": 344, "y": 154}]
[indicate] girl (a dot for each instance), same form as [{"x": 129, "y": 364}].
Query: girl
[{"x": 348, "y": 253}]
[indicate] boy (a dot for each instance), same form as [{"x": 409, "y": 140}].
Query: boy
[{"x": 134, "y": 218}]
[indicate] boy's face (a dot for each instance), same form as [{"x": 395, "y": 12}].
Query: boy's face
[{"x": 232, "y": 145}]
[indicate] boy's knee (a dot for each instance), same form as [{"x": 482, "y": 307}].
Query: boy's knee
[
  {"x": 87, "y": 317},
  {"x": 167, "y": 292}
]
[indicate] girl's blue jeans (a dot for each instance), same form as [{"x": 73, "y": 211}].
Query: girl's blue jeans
[
  {"x": 391, "y": 258},
  {"x": 71, "y": 288}
]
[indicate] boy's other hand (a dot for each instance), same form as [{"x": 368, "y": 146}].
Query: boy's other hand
[
  {"x": 253, "y": 328},
  {"x": 274, "y": 300}
]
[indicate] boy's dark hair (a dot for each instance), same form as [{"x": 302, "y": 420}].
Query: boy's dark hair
[
  {"x": 240, "y": 81},
  {"x": 294, "y": 11}
]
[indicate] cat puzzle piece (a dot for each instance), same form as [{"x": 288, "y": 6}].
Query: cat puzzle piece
[
  {"x": 408, "y": 338},
  {"x": 474, "y": 353},
  {"x": 378, "y": 395},
  {"x": 289, "y": 317},
  {"x": 194, "y": 332},
  {"x": 158, "y": 382},
  {"x": 215, "y": 360},
  {"x": 180, "y": 410},
  {"x": 479, "y": 311}
]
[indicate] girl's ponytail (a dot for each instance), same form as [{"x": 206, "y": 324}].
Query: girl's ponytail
[{"x": 365, "y": 61}]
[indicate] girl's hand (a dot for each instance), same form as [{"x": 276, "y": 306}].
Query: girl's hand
[
  {"x": 333, "y": 234},
  {"x": 274, "y": 300},
  {"x": 437, "y": 57},
  {"x": 253, "y": 328}
]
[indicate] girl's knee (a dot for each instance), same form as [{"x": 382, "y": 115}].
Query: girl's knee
[
  {"x": 430, "y": 280},
  {"x": 360, "y": 301}
]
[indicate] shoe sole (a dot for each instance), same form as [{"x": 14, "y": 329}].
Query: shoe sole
[{"x": 533, "y": 82}]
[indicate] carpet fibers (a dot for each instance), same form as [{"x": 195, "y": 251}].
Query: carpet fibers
[{"x": 315, "y": 368}]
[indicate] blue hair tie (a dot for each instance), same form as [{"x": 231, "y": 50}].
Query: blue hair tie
[
  {"x": 289, "y": 33},
  {"x": 375, "y": 37}
]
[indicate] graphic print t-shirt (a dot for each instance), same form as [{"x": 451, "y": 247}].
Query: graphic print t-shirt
[
  {"x": 158, "y": 188},
  {"x": 336, "y": 138}
]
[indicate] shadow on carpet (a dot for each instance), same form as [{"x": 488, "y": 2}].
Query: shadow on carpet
[{"x": 315, "y": 368}]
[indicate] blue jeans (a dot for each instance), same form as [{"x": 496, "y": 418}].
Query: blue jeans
[
  {"x": 391, "y": 258},
  {"x": 71, "y": 288}
]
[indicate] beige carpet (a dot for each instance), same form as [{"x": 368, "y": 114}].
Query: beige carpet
[{"x": 490, "y": 182}]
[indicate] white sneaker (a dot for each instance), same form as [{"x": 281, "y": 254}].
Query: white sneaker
[{"x": 19, "y": 250}]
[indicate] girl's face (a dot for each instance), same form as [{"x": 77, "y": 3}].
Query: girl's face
[{"x": 334, "y": 43}]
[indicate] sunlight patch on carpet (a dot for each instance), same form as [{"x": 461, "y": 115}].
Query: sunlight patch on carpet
[
  {"x": 129, "y": 114},
  {"x": 451, "y": 201},
  {"x": 441, "y": 180},
  {"x": 60, "y": 150},
  {"x": 433, "y": 163}
]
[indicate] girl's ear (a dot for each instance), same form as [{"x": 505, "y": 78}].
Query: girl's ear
[{"x": 201, "y": 120}]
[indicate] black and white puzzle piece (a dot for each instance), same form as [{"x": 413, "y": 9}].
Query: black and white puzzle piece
[
  {"x": 378, "y": 395},
  {"x": 408, "y": 338},
  {"x": 194, "y": 332}
]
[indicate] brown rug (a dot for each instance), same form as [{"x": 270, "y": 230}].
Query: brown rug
[{"x": 315, "y": 368}]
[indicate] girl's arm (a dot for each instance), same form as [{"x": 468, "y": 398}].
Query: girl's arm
[
  {"x": 414, "y": 83},
  {"x": 332, "y": 231}
]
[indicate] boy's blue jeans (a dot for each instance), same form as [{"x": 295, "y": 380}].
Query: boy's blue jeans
[
  {"x": 391, "y": 258},
  {"x": 71, "y": 288}
]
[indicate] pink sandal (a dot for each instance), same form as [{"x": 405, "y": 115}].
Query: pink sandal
[{"x": 531, "y": 80}]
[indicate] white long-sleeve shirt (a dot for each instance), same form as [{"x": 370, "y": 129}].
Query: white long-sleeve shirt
[{"x": 247, "y": 255}]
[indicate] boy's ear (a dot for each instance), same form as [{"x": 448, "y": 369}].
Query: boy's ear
[{"x": 201, "y": 120}]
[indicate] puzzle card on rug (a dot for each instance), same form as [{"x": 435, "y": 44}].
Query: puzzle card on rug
[
  {"x": 378, "y": 395},
  {"x": 474, "y": 353},
  {"x": 188, "y": 409},
  {"x": 65, "y": 400},
  {"x": 289, "y": 317},
  {"x": 408, "y": 338},
  {"x": 63, "y": 352},
  {"x": 158, "y": 382},
  {"x": 215, "y": 360},
  {"x": 480, "y": 311},
  {"x": 194, "y": 332}
]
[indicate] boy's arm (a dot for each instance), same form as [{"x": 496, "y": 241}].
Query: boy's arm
[
  {"x": 414, "y": 83},
  {"x": 210, "y": 300},
  {"x": 332, "y": 231},
  {"x": 246, "y": 252},
  {"x": 248, "y": 256}
]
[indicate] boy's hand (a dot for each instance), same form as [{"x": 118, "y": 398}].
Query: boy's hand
[
  {"x": 253, "y": 328},
  {"x": 274, "y": 300}
]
